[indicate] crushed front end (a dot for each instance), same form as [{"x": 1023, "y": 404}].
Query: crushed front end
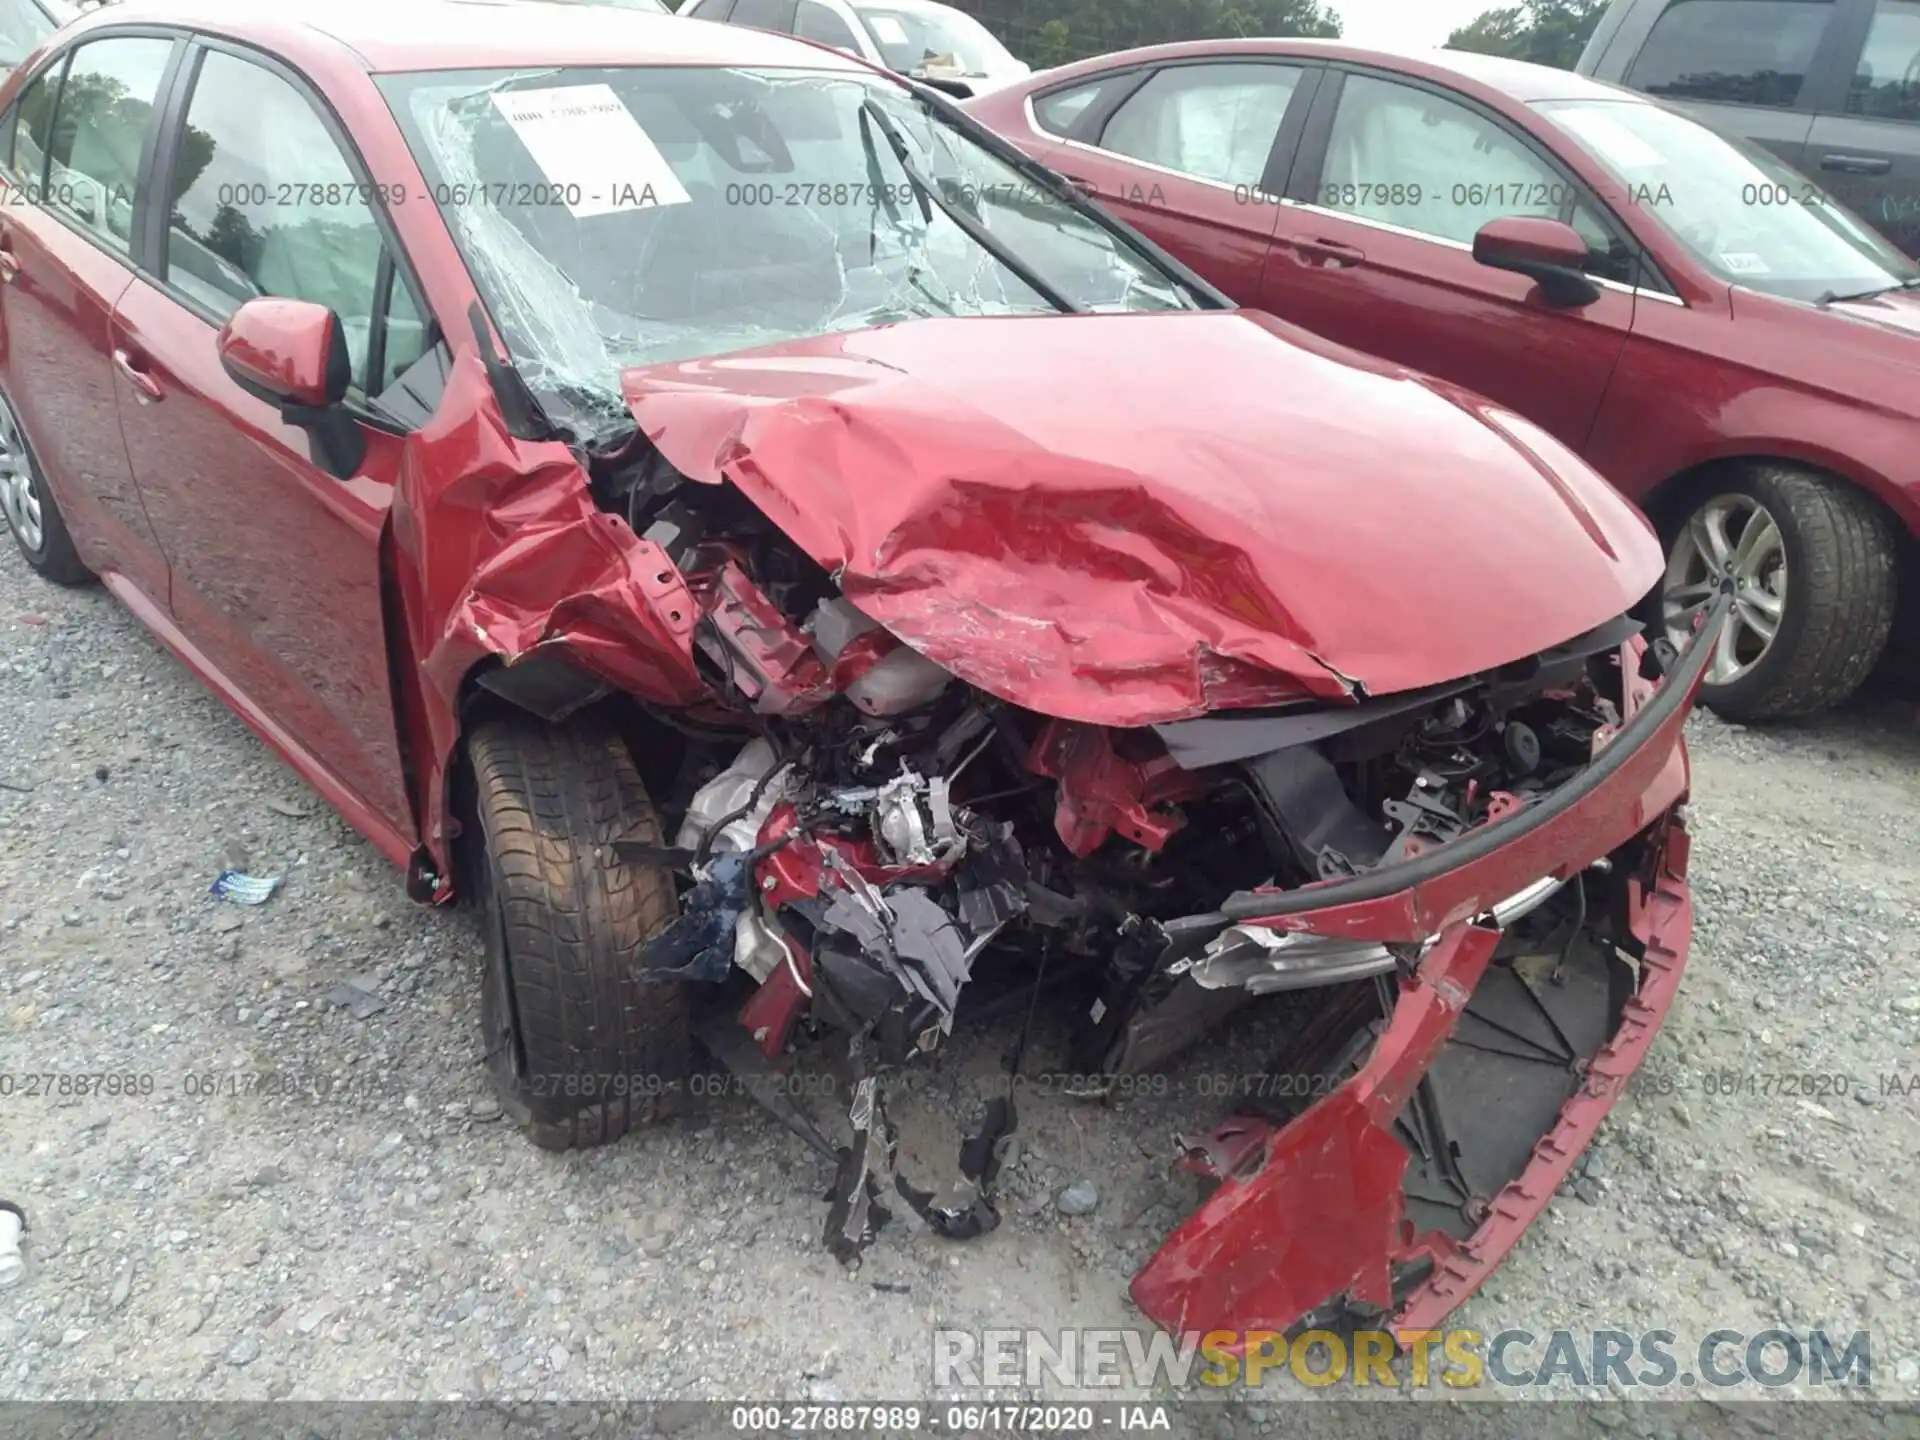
[
  {"x": 1471, "y": 897},
  {"x": 1001, "y": 621}
]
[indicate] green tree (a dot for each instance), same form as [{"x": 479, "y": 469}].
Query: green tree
[
  {"x": 1547, "y": 32},
  {"x": 1052, "y": 32}
]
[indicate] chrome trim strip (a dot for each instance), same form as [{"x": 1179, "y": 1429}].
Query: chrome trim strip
[
  {"x": 1233, "y": 190},
  {"x": 1387, "y": 227},
  {"x": 1325, "y": 960}
]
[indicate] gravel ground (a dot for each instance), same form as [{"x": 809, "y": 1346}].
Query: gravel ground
[{"x": 392, "y": 1239}]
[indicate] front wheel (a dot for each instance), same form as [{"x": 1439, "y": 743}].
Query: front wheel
[
  {"x": 582, "y": 1043},
  {"x": 1810, "y": 562}
]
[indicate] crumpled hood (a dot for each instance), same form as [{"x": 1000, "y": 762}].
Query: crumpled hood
[{"x": 1129, "y": 519}]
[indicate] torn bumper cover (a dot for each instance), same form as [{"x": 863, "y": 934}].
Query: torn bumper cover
[{"x": 1322, "y": 1217}]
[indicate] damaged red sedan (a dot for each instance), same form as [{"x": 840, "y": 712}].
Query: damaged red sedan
[{"x": 804, "y": 574}]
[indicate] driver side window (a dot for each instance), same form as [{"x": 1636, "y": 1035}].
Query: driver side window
[
  {"x": 265, "y": 203},
  {"x": 1406, "y": 157}
]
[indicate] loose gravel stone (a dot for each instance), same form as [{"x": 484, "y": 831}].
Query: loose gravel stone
[
  {"x": 1079, "y": 1198},
  {"x": 273, "y": 1168}
]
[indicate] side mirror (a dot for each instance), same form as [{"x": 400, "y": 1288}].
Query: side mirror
[
  {"x": 293, "y": 355},
  {"x": 1548, "y": 251}
]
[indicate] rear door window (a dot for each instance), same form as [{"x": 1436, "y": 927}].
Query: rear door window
[
  {"x": 814, "y": 21},
  {"x": 1886, "y": 82},
  {"x": 1058, "y": 111},
  {"x": 1737, "y": 52},
  {"x": 1214, "y": 122},
  {"x": 100, "y": 127},
  {"x": 763, "y": 14}
]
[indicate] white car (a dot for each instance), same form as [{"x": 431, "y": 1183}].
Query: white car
[
  {"x": 921, "y": 39},
  {"x": 24, "y": 24}
]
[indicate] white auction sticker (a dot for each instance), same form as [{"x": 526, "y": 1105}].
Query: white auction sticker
[{"x": 585, "y": 141}]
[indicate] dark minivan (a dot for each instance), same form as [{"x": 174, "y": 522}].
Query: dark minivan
[{"x": 1831, "y": 86}]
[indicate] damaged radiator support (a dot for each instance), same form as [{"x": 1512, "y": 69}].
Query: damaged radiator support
[
  {"x": 863, "y": 831},
  {"x": 829, "y": 894}
]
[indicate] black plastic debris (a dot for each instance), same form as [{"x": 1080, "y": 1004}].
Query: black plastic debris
[
  {"x": 699, "y": 945},
  {"x": 854, "y": 1212}
]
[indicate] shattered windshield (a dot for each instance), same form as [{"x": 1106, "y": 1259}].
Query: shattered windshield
[{"x": 624, "y": 217}]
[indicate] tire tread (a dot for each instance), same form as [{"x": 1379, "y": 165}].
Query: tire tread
[
  {"x": 573, "y": 918},
  {"x": 1842, "y": 578}
]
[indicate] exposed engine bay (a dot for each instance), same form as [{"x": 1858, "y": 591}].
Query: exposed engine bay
[{"x": 867, "y": 844}]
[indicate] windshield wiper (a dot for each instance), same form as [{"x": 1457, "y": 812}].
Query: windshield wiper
[
  {"x": 975, "y": 231},
  {"x": 1828, "y": 297},
  {"x": 882, "y": 192}
]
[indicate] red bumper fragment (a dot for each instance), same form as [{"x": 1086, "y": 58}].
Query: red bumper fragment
[{"x": 1323, "y": 1218}]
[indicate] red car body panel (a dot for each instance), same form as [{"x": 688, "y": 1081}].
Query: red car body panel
[
  {"x": 1315, "y": 1208},
  {"x": 1126, "y": 573},
  {"x": 499, "y": 553},
  {"x": 270, "y": 356},
  {"x": 1184, "y": 218},
  {"x": 1322, "y": 1214},
  {"x": 275, "y": 564},
  {"x": 1439, "y": 311},
  {"x": 1643, "y": 388},
  {"x": 1840, "y": 395},
  {"x": 57, "y": 346}
]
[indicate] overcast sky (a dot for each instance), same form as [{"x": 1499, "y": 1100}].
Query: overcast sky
[{"x": 1406, "y": 24}]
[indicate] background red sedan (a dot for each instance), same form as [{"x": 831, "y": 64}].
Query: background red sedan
[{"x": 1700, "y": 322}]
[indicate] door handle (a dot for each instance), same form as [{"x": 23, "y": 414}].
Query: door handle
[
  {"x": 1085, "y": 186},
  {"x": 9, "y": 263},
  {"x": 146, "y": 388},
  {"x": 1332, "y": 254},
  {"x": 1857, "y": 164}
]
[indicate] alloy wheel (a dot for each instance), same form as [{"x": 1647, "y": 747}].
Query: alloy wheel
[
  {"x": 19, "y": 485},
  {"x": 1731, "y": 544}
]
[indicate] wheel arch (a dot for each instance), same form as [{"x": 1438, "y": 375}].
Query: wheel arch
[
  {"x": 1900, "y": 506},
  {"x": 1898, "y": 503},
  {"x": 1667, "y": 503}
]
